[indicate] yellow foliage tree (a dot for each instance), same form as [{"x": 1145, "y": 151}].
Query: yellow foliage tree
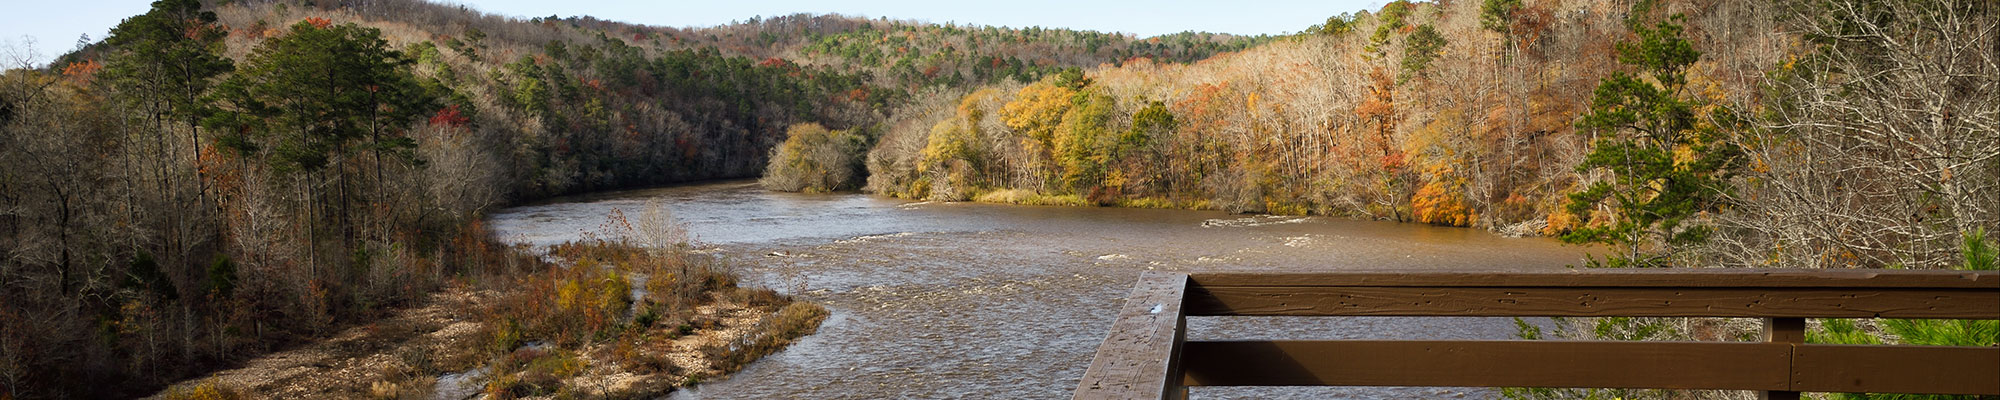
[
  {"x": 1069, "y": 122},
  {"x": 1035, "y": 112},
  {"x": 955, "y": 157}
]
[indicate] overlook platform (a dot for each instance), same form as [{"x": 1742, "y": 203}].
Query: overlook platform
[{"x": 1147, "y": 356}]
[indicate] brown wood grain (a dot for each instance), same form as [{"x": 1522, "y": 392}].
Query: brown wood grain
[
  {"x": 1897, "y": 369},
  {"x": 1839, "y": 302},
  {"x": 1783, "y": 330},
  {"x": 1782, "y": 367},
  {"x": 1678, "y": 278},
  {"x": 1141, "y": 355},
  {"x": 1146, "y": 356},
  {"x": 1668, "y": 365}
]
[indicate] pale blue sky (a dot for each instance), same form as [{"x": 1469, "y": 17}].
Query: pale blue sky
[{"x": 55, "y": 25}]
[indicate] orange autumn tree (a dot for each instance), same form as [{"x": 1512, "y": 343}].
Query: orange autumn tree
[
  {"x": 1441, "y": 199},
  {"x": 1440, "y": 153},
  {"x": 1391, "y": 164},
  {"x": 83, "y": 72}
]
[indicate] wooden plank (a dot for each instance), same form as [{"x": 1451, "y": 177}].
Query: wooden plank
[
  {"x": 1594, "y": 301},
  {"x": 1678, "y": 278},
  {"x": 1666, "y": 365},
  {"x": 1143, "y": 350},
  {"x": 1896, "y": 369},
  {"x": 1783, "y": 330}
]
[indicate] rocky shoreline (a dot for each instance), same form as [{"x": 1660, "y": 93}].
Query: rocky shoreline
[{"x": 437, "y": 351}]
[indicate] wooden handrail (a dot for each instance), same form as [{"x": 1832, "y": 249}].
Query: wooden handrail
[
  {"x": 1146, "y": 355},
  {"x": 1143, "y": 350},
  {"x": 1622, "y": 293}
]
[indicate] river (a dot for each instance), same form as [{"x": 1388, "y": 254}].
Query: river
[{"x": 966, "y": 300}]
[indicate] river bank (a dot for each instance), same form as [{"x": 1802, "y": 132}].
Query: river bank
[
  {"x": 1534, "y": 227},
  {"x": 614, "y": 320}
]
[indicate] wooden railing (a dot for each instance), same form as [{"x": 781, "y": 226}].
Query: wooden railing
[{"x": 1147, "y": 356}]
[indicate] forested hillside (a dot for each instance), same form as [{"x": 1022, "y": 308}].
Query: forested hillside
[
  {"x": 915, "y": 56},
  {"x": 220, "y": 179},
  {"x": 1688, "y": 133},
  {"x": 1440, "y": 113}
]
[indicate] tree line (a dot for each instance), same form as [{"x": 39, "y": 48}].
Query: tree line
[
  {"x": 1678, "y": 133},
  {"x": 213, "y": 182}
]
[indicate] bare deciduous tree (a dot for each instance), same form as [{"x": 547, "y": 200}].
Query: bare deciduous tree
[{"x": 1881, "y": 146}]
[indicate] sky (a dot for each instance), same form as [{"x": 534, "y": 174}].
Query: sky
[{"x": 52, "y": 27}]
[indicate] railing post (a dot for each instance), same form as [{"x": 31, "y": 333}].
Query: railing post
[{"x": 1784, "y": 330}]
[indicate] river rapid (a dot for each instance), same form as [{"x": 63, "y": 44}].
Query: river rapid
[{"x": 965, "y": 300}]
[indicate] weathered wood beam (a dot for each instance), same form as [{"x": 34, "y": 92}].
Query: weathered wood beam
[
  {"x": 1663, "y": 365},
  {"x": 1666, "y": 365},
  {"x": 1896, "y": 369},
  {"x": 1565, "y": 301},
  {"x": 1141, "y": 357},
  {"x": 1632, "y": 277}
]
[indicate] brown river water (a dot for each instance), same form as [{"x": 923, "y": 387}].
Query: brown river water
[{"x": 964, "y": 300}]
